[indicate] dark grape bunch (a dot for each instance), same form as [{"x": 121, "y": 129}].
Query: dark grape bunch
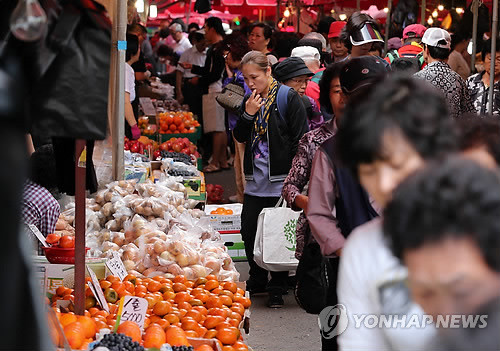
[
  {"x": 176, "y": 173},
  {"x": 177, "y": 157},
  {"x": 182, "y": 348},
  {"x": 119, "y": 342}
]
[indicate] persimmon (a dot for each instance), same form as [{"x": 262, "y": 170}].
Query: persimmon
[
  {"x": 191, "y": 333},
  {"x": 228, "y": 336},
  {"x": 161, "y": 308},
  {"x": 67, "y": 241},
  {"x": 154, "y": 336},
  {"x": 154, "y": 286},
  {"x": 172, "y": 318},
  {"x": 74, "y": 334},
  {"x": 211, "y": 277},
  {"x": 240, "y": 346},
  {"x": 182, "y": 297},
  {"x": 211, "y": 285},
  {"x": 130, "y": 329},
  {"x": 238, "y": 307},
  {"x": 212, "y": 321},
  {"x": 176, "y": 336},
  {"x": 105, "y": 284},
  {"x": 226, "y": 300},
  {"x": 223, "y": 325},
  {"x": 53, "y": 239},
  {"x": 213, "y": 302},
  {"x": 178, "y": 287},
  {"x": 67, "y": 318},
  {"x": 185, "y": 306},
  {"x": 203, "y": 348},
  {"x": 88, "y": 325},
  {"x": 196, "y": 315},
  {"x": 210, "y": 334},
  {"x": 189, "y": 324}
]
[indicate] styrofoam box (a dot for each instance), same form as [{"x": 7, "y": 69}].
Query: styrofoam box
[
  {"x": 235, "y": 246},
  {"x": 225, "y": 223}
]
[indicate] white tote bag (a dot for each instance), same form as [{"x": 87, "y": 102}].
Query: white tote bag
[{"x": 274, "y": 247}]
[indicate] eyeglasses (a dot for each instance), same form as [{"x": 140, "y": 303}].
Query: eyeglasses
[{"x": 301, "y": 81}]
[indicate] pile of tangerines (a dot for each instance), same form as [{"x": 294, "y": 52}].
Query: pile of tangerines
[{"x": 177, "y": 309}]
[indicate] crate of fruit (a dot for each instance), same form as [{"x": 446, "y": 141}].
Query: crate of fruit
[
  {"x": 179, "y": 124},
  {"x": 225, "y": 218}
]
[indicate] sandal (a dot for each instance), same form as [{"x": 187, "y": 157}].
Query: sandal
[{"x": 211, "y": 169}]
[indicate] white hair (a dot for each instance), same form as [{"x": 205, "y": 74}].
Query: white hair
[
  {"x": 175, "y": 27},
  {"x": 316, "y": 36}
]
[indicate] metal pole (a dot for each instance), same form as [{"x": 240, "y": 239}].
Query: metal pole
[
  {"x": 358, "y": 5},
  {"x": 188, "y": 14},
  {"x": 422, "y": 12},
  {"x": 118, "y": 123},
  {"x": 494, "y": 35},
  {"x": 277, "y": 12},
  {"x": 80, "y": 165},
  {"x": 474, "y": 8},
  {"x": 387, "y": 25},
  {"x": 297, "y": 6}
]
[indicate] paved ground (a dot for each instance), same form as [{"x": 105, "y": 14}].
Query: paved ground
[{"x": 285, "y": 329}]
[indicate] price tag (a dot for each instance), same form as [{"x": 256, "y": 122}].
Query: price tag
[
  {"x": 132, "y": 309},
  {"x": 115, "y": 265},
  {"x": 38, "y": 234},
  {"x": 97, "y": 291}
]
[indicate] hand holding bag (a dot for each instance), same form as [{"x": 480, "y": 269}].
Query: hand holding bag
[
  {"x": 231, "y": 97},
  {"x": 274, "y": 248}
]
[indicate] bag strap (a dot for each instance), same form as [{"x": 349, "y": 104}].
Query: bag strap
[
  {"x": 282, "y": 100},
  {"x": 281, "y": 203},
  {"x": 60, "y": 36}
]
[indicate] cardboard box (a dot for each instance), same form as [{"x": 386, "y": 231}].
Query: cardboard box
[
  {"x": 195, "y": 187},
  {"x": 225, "y": 224},
  {"x": 195, "y": 342},
  {"x": 235, "y": 246},
  {"x": 57, "y": 275}
]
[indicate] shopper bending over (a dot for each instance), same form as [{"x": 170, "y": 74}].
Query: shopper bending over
[
  {"x": 390, "y": 133},
  {"x": 271, "y": 143}
]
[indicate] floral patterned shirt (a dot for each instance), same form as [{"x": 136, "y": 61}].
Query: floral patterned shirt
[
  {"x": 479, "y": 95},
  {"x": 455, "y": 91},
  {"x": 299, "y": 175}
]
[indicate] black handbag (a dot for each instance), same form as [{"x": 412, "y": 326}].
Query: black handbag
[
  {"x": 231, "y": 97},
  {"x": 314, "y": 275}
]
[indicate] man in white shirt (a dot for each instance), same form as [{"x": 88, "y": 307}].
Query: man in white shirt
[
  {"x": 195, "y": 55},
  {"x": 181, "y": 42}
]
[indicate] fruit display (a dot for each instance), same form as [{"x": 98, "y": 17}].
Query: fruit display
[
  {"x": 176, "y": 156},
  {"x": 214, "y": 193},
  {"x": 178, "y": 309},
  {"x": 222, "y": 211},
  {"x": 181, "y": 145},
  {"x": 56, "y": 240},
  {"x": 145, "y": 127},
  {"x": 177, "y": 122},
  {"x": 155, "y": 230}
]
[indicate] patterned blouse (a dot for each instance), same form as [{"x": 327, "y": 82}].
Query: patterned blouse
[
  {"x": 299, "y": 175},
  {"x": 441, "y": 76},
  {"x": 479, "y": 95}
]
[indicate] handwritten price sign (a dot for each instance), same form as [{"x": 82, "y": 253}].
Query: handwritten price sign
[
  {"x": 116, "y": 267},
  {"x": 132, "y": 309}
]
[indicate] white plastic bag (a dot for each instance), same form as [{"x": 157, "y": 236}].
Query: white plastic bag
[{"x": 274, "y": 248}]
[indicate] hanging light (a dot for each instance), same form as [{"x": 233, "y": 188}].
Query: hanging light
[
  {"x": 435, "y": 13},
  {"x": 440, "y": 7},
  {"x": 153, "y": 11},
  {"x": 286, "y": 13},
  {"x": 430, "y": 21},
  {"x": 342, "y": 16},
  {"x": 139, "y": 5},
  {"x": 386, "y": 9},
  {"x": 459, "y": 10},
  {"x": 332, "y": 11}
]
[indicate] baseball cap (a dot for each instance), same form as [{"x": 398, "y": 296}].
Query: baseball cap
[
  {"x": 414, "y": 31},
  {"x": 437, "y": 37},
  {"x": 361, "y": 71},
  {"x": 291, "y": 67},
  {"x": 367, "y": 34},
  {"x": 336, "y": 29},
  {"x": 306, "y": 53}
]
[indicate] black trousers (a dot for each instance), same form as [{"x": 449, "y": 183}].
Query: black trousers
[
  {"x": 252, "y": 206},
  {"x": 331, "y": 344}
]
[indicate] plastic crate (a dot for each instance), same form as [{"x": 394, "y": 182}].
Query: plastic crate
[{"x": 193, "y": 137}]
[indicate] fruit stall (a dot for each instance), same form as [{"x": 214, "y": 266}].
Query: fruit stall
[{"x": 147, "y": 245}]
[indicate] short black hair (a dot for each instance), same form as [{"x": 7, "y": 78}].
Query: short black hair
[
  {"x": 237, "y": 44},
  {"x": 332, "y": 71},
  {"x": 216, "y": 24},
  {"x": 457, "y": 38},
  {"x": 456, "y": 198},
  {"x": 195, "y": 37},
  {"x": 438, "y": 53},
  {"x": 480, "y": 131},
  {"x": 285, "y": 43},
  {"x": 487, "y": 47},
  {"x": 355, "y": 23},
  {"x": 165, "y": 51},
  {"x": 193, "y": 25},
  {"x": 132, "y": 46},
  {"x": 43, "y": 167},
  {"x": 267, "y": 30},
  {"x": 400, "y": 103}
]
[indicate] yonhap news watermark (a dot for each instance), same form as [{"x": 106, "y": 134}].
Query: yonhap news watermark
[{"x": 334, "y": 320}]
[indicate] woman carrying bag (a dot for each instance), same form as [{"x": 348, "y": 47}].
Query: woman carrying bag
[{"x": 272, "y": 121}]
